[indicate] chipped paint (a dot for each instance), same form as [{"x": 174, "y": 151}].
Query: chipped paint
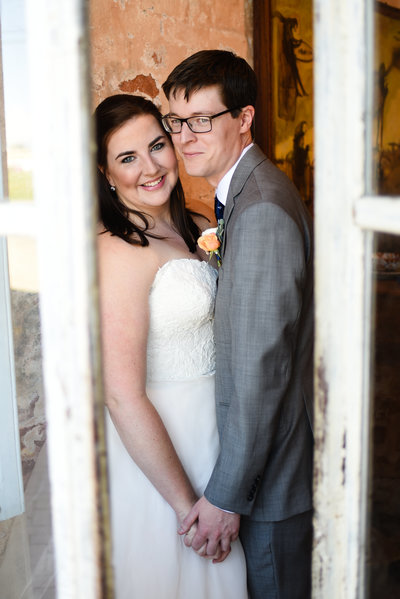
[
  {"x": 344, "y": 460},
  {"x": 142, "y": 83},
  {"x": 322, "y": 387},
  {"x": 321, "y": 398},
  {"x": 156, "y": 58}
]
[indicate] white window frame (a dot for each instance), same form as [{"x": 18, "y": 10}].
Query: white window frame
[
  {"x": 63, "y": 220},
  {"x": 346, "y": 215}
]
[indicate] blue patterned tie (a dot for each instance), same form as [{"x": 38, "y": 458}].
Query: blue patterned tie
[{"x": 218, "y": 208}]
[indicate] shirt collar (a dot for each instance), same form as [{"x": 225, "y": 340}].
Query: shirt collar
[{"x": 223, "y": 185}]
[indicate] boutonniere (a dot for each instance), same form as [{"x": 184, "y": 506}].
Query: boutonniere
[{"x": 211, "y": 240}]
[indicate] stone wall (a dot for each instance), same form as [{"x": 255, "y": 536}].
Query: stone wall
[
  {"x": 29, "y": 381},
  {"x": 136, "y": 43}
]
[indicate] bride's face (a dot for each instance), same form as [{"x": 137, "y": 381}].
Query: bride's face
[{"x": 141, "y": 164}]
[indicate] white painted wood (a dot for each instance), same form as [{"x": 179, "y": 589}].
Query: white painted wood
[
  {"x": 64, "y": 194},
  {"x": 343, "y": 299},
  {"x": 18, "y": 218},
  {"x": 378, "y": 213}
]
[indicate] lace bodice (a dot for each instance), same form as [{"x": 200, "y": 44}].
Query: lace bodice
[{"x": 180, "y": 343}]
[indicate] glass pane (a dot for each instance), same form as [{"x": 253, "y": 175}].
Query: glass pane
[
  {"x": 16, "y": 100},
  {"x": 384, "y": 554},
  {"x": 385, "y": 505},
  {"x": 26, "y": 549}
]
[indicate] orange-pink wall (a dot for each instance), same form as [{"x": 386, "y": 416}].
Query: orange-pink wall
[{"x": 136, "y": 43}]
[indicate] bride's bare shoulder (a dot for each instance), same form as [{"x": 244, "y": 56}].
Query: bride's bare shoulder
[{"x": 119, "y": 259}]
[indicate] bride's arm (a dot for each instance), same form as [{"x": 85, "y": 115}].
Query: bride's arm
[{"x": 126, "y": 275}]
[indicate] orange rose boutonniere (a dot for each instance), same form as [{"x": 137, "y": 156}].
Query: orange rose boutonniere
[{"x": 210, "y": 241}]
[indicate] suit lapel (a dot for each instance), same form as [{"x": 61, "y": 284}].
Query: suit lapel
[{"x": 250, "y": 160}]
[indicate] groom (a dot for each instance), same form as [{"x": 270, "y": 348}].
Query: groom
[{"x": 263, "y": 330}]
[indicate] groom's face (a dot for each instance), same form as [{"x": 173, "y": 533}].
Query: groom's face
[{"x": 210, "y": 154}]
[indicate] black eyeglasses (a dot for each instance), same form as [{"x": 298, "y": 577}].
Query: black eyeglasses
[{"x": 197, "y": 124}]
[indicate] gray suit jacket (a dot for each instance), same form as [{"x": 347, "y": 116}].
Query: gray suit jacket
[{"x": 264, "y": 345}]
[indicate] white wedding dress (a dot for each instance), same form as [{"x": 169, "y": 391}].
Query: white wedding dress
[{"x": 150, "y": 558}]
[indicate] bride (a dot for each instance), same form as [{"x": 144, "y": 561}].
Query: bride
[{"x": 157, "y": 302}]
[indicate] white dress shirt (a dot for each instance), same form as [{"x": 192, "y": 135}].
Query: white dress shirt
[{"x": 223, "y": 186}]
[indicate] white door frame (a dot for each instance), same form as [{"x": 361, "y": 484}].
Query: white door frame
[
  {"x": 63, "y": 220},
  {"x": 346, "y": 215}
]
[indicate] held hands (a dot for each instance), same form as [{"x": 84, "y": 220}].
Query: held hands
[
  {"x": 215, "y": 530},
  {"x": 202, "y": 552}
]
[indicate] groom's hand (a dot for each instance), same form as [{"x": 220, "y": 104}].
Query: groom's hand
[
  {"x": 202, "y": 552},
  {"x": 214, "y": 527}
]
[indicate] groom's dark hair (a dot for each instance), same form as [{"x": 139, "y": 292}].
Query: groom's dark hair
[{"x": 232, "y": 74}]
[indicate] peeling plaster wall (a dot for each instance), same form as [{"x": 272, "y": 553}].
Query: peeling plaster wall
[{"x": 136, "y": 43}]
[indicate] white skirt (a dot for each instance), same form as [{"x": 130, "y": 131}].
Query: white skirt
[{"x": 150, "y": 559}]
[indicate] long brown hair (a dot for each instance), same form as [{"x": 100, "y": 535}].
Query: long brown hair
[{"x": 109, "y": 115}]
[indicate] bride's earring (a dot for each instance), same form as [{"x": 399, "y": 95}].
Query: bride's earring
[{"x": 112, "y": 187}]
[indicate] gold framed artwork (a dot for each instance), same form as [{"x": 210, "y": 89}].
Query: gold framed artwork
[
  {"x": 283, "y": 61},
  {"x": 386, "y": 123}
]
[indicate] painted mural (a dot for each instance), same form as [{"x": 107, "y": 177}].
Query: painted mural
[
  {"x": 386, "y": 125},
  {"x": 292, "y": 99}
]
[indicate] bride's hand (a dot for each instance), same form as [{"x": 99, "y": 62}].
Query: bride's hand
[{"x": 202, "y": 552}]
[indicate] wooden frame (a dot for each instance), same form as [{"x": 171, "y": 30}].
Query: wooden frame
[
  {"x": 263, "y": 69},
  {"x": 58, "y": 50},
  {"x": 343, "y": 299}
]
